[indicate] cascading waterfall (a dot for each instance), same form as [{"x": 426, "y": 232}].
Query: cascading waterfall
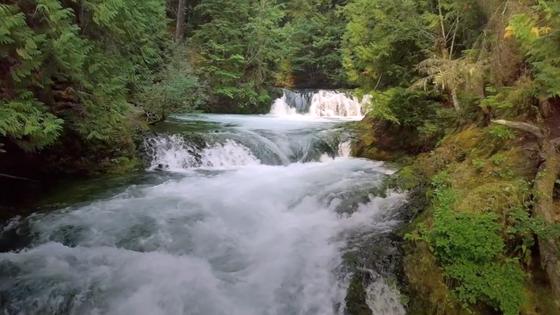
[
  {"x": 321, "y": 103},
  {"x": 174, "y": 153},
  {"x": 238, "y": 215}
]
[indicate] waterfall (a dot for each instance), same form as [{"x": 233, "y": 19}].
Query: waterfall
[
  {"x": 174, "y": 153},
  {"x": 235, "y": 215},
  {"x": 321, "y": 103}
]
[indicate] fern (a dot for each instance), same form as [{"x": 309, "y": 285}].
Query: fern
[
  {"x": 94, "y": 67},
  {"x": 26, "y": 122}
]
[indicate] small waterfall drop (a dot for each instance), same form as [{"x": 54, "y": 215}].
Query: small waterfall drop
[
  {"x": 345, "y": 149},
  {"x": 245, "y": 215},
  {"x": 174, "y": 153},
  {"x": 321, "y": 103},
  {"x": 381, "y": 298},
  {"x": 280, "y": 107}
]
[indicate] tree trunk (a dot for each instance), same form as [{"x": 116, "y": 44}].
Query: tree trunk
[
  {"x": 180, "y": 28},
  {"x": 523, "y": 126},
  {"x": 544, "y": 208}
]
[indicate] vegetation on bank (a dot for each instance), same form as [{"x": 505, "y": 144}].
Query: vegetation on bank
[
  {"x": 466, "y": 97},
  {"x": 80, "y": 81}
]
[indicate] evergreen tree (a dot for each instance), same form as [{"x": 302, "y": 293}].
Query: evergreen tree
[{"x": 239, "y": 46}]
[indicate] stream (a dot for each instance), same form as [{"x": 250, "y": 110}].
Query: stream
[{"x": 235, "y": 215}]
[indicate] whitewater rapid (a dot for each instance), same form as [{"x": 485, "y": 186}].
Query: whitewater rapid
[{"x": 245, "y": 215}]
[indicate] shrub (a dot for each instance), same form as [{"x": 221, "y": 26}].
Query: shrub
[
  {"x": 472, "y": 253},
  {"x": 177, "y": 89},
  {"x": 27, "y": 123},
  {"x": 415, "y": 115}
]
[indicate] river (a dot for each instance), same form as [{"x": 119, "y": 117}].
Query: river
[{"x": 235, "y": 215}]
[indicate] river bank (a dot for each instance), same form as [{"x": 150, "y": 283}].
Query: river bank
[
  {"x": 395, "y": 242},
  {"x": 471, "y": 247}
]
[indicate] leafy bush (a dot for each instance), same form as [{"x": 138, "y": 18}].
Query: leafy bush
[
  {"x": 522, "y": 229},
  {"x": 536, "y": 32},
  {"x": 58, "y": 67},
  {"x": 27, "y": 123},
  {"x": 177, "y": 89},
  {"x": 414, "y": 115},
  {"x": 497, "y": 284},
  {"x": 472, "y": 253}
]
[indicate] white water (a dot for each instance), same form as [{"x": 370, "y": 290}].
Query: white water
[
  {"x": 382, "y": 299},
  {"x": 281, "y": 108},
  {"x": 174, "y": 154},
  {"x": 323, "y": 103},
  {"x": 226, "y": 230}
]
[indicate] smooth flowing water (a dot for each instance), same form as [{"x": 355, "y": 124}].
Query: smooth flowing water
[{"x": 234, "y": 215}]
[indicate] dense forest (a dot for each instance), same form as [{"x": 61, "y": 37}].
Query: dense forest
[
  {"x": 81, "y": 79},
  {"x": 464, "y": 93}
]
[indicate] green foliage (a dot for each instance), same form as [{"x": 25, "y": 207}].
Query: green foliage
[
  {"x": 26, "y": 122},
  {"x": 501, "y": 133},
  {"x": 511, "y": 101},
  {"x": 177, "y": 89},
  {"x": 383, "y": 41},
  {"x": 81, "y": 70},
  {"x": 414, "y": 113},
  {"x": 539, "y": 36},
  {"x": 497, "y": 284},
  {"x": 522, "y": 229},
  {"x": 18, "y": 44},
  {"x": 456, "y": 236},
  {"x": 380, "y": 106},
  {"x": 240, "y": 44},
  {"x": 314, "y": 59},
  {"x": 471, "y": 251}
]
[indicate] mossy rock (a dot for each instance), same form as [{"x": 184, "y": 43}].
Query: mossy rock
[
  {"x": 408, "y": 178},
  {"x": 427, "y": 290},
  {"x": 496, "y": 197},
  {"x": 466, "y": 139}
]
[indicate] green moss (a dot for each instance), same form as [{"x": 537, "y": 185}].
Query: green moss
[
  {"x": 480, "y": 270},
  {"x": 496, "y": 197},
  {"x": 408, "y": 178},
  {"x": 427, "y": 289},
  {"x": 480, "y": 177}
]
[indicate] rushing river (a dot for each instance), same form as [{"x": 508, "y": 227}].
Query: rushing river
[{"x": 234, "y": 215}]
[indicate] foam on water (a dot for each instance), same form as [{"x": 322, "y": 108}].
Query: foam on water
[
  {"x": 383, "y": 299},
  {"x": 174, "y": 153},
  {"x": 228, "y": 235}
]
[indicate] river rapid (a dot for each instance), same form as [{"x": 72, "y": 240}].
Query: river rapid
[{"x": 235, "y": 215}]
